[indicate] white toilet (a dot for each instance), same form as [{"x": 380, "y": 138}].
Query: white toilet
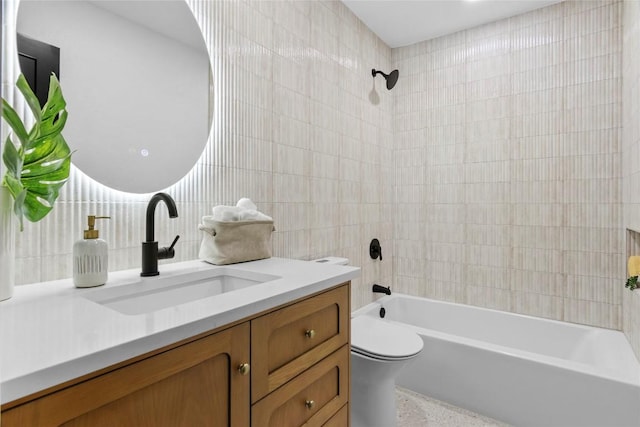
[{"x": 379, "y": 350}]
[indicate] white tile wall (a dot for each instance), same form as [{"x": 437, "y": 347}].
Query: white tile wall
[
  {"x": 508, "y": 165},
  {"x": 293, "y": 129},
  {"x": 491, "y": 173},
  {"x": 630, "y": 165}
]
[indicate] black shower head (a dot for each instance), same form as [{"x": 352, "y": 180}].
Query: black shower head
[{"x": 391, "y": 78}]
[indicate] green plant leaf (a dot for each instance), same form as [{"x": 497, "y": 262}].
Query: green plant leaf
[
  {"x": 632, "y": 283},
  {"x": 52, "y": 118},
  {"x": 11, "y": 158},
  {"x": 13, "y": 184},
  {"x": 43, "y": 188},
  {"x": 37, "y": 171},
  {"x": 29, "y": 96},
  {"x": 45, "y": 157},
  {"x": 18, "y": 207},
  {"x": 12, "y": 118}
]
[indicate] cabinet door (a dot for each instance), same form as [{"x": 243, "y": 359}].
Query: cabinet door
[
  {"x": 196, "y": 384},
  {"x": 292, "y": 339}
]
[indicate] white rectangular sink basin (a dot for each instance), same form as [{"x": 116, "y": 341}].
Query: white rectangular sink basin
[{"x": 153, "y": 294}]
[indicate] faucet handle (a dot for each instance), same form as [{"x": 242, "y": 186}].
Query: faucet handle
[
  {"x": 165, "y": 253},
  {"x": 174, "y": 242},
  {"x": 375, "y": 250}
]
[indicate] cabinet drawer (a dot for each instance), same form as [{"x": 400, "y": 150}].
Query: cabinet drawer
[
  {"x": 312, "y": 398},
  {"x": 340, "y": 419},
  {"x": 288, "y": 341}
]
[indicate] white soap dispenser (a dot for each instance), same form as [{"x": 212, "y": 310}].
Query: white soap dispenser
[{"x": 90, "y": 257}]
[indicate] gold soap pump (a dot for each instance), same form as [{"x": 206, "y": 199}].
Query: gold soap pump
[{"x": 90, "y": 257}]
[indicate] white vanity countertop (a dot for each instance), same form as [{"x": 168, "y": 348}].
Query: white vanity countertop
[{"x": 50, "y": 333}]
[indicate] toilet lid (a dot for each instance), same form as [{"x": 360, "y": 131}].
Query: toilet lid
[{"x": 383, "y": 340}]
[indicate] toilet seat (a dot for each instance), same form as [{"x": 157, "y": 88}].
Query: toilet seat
[{"x": 383, "y": 340}]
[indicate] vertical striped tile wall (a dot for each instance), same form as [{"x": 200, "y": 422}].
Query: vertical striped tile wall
[
  {"x": 294, "y": 129},
  {"x": 630, "y": 165},
  {"x": 508, "y": 165},
  {"x": 491, "y": 172}
]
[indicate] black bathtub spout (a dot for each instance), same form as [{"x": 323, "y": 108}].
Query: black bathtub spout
[{"x": 381, "y": 289}]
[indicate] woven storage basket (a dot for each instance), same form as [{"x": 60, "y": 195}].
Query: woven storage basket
[{"x": 230, "y": 242}]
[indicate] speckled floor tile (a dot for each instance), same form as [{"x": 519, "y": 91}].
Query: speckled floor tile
[{"x": 416, "y": 410}]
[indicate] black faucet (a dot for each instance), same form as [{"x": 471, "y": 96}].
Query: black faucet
[
  {"x": 150, "y": 252},
  {"x": 381, "y": 289}
]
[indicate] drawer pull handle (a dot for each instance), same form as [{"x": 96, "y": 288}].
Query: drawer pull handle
[
  {"x": 244, "y": 368},
  {"x": 309, "y": 404},
  {"x": 310, "y": 333}
]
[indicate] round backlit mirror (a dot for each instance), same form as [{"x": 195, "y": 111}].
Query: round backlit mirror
[{"x": 137, "y": 79}]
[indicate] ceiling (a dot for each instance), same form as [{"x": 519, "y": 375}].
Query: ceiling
[{"x": 401, "y": 22}]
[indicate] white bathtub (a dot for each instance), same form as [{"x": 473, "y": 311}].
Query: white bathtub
[{"x": 522, "y": 370}]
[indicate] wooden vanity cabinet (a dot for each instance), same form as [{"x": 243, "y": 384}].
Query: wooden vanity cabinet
[
  {"x": 285, "y": 367},
  {"x": 195, "y": 384}
]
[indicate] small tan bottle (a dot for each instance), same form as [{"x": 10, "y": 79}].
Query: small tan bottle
[{"x": 90, "y": 257}]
